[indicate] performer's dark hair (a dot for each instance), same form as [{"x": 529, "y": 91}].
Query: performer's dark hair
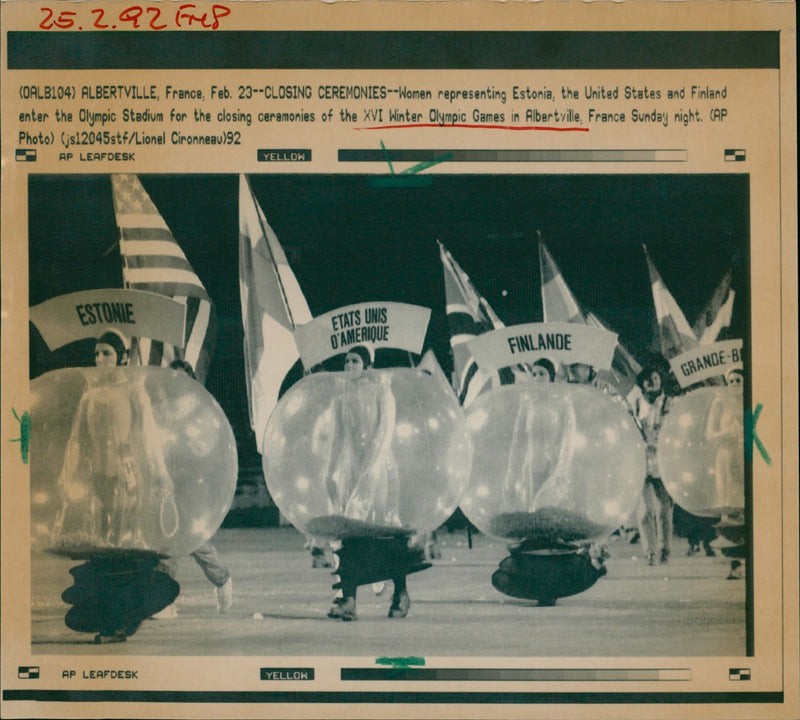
[
  {"x": 114, "y": 339},
  {"x": 658, "y": 364},
  {"x": 547, "y": 365},
  {"x": 183, "y": 365},
  {"x": 644, "y": 374},
  {"x": 363, "y": 353},
  {"x": 734, "y": 371}
]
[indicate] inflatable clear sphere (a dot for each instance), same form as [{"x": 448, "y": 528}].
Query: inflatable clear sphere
[
  {"x": 127, "y": 459},
  {"x": 389, "y": 449},
  {"x": 701, "y": 451},
  {"x": 553, "y": 461}
]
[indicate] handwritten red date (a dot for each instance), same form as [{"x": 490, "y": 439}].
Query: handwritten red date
[{"x": 136, "y": 17}]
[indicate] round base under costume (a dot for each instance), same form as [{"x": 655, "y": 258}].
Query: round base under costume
[{"x": 116, "y": 593}]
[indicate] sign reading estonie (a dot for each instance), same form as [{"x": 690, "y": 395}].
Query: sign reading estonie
[
  {"x": 707, "y": 361},
  {"x": 67, "y": 318},
  {"x": 375, "y": 324},
  {"x": 563, "y": 342}
]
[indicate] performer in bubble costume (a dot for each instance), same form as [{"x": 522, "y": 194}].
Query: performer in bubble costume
[
  {"x": 114, "y": 450},
  {"x": 113, "y": 593},
  {"x": 536, "y": 478},
  {"x": 571, "y": 461},
  {"x": 725, "y": 426},
  {"x": 362, "y": 479},
  {"x": 369, "y": 460}
]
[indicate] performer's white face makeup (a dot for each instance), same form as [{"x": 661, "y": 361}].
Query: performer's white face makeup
[
  {"x": 652, "y": 384},
  {"x": 540, "y": 374},
  {"x": 580, "y": 373},
  {"x": 104, "y": 355},
  {"x": 354, "y": 365},
  {"x": 734, "y": 378}
]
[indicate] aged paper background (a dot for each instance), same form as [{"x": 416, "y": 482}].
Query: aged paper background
[{"x": 218, "y": 678}]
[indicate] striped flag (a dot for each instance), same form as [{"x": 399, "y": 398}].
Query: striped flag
[
  {"x": 153, "y": 261},
  {"x": 273, "y": 305},
  {"x": 674, "y": 333},
  {"x": 560, "y": 305},
  {"x": 468, "y": 315},
  {"x": 717, "y": 314},
  {"x": 624, "y": 367}
]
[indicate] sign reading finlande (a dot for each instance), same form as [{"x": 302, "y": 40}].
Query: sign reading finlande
[{"x": 563, "y": 342}]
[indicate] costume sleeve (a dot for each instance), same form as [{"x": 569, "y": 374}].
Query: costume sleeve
[
  {"x": 384, "y": 430},
  {"x": 76, "y": 452},
  {"x": 145, "y": 426},
  {"x": 336, "y": 449}
]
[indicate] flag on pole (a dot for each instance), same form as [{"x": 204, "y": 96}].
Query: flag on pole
[
  {"x": 624, "y": 367},
  {"x": 674, "y": 333},
  {"x": 273, "y": 305},
  {"x": 558, "y": 302},
  {"x": 717, "y": 314},
  {"x": 430, "y": 365},
  {"x": 468, "y": 315},
  {"x": 153, "y": 261},
  {"x": 560, "y": 305}
]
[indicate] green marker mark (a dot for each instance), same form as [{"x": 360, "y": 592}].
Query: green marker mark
[
  {"x": 408, "y": 177},
  {"x": 400, "y": 663},
  {"x": 419, "y": 167},
  {"x": 24, "y": 438},
  {"x": 388, "y": 159},
  {"x": 750, "y": 437}
]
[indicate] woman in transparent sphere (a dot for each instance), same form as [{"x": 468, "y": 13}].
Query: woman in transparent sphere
[
  {"x": 114, "y": 454},
  {"x": 361, "y": 478}
]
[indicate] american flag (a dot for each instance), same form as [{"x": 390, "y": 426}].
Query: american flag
[{"x": 153, "y": 261}]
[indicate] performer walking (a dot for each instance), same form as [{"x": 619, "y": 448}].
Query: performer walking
[
  {"x": 206, "y": 556},
  {"x": 655, "y": 508}
]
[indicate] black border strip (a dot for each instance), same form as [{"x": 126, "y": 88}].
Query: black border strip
[
  {"x": 516, "y": 698},
  {"x": 407, "y": 50},
  {"x": 750, "y": 612}
]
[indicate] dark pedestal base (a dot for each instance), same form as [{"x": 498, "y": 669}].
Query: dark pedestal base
[
  {"x": 546, "y": 574},
  {"x": 368, "y": 560},
  {"x": 113, "y": 594}
]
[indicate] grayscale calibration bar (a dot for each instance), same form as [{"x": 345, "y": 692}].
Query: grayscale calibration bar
[
  {"x": 540, "y": 156},
  {"x": 517, "y": 674}
]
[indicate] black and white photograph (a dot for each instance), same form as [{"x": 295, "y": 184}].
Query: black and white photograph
[
  {"x": 399, "y": 360},
  {"x": 316, "y": 415}
]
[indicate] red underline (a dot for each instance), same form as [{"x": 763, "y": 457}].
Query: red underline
[{"x": 483, "y": 127}]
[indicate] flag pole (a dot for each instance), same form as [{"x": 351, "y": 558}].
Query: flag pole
[{"x": 259, "y": 214}]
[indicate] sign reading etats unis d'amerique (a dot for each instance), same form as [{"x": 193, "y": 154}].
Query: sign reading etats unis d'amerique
[{"x": 375, "y": 324}]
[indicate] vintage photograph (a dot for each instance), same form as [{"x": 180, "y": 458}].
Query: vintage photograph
[{"x": 325, "y": 415}]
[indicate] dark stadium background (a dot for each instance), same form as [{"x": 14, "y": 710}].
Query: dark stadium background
[{"x": 348, "y": 241}]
